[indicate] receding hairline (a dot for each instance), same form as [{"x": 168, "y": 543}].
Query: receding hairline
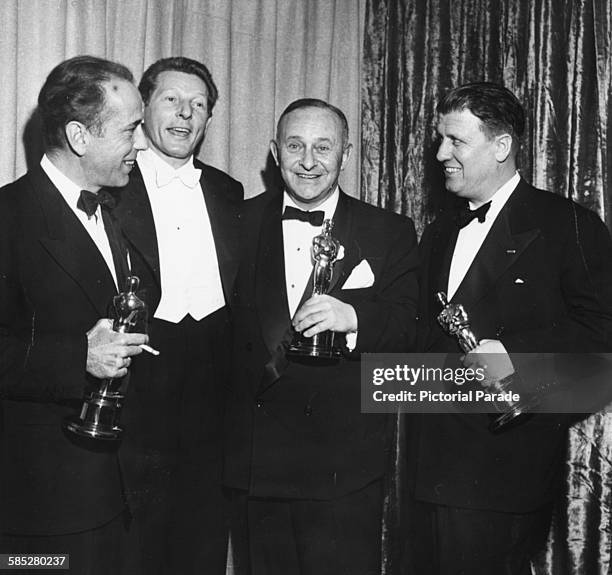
[
  {"x": 339, "y": 120},
  {"x": 112, "y": 100},
  {"x": 204, "y": 92},
  {"x": 481, "y": 125}
]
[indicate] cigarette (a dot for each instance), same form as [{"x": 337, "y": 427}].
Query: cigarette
[{"x": 148, "y": 348}]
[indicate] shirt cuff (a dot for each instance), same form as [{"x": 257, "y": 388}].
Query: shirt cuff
[{"x": 351, "y": 340}]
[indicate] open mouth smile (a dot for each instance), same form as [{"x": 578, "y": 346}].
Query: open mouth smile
[
  {"x": 450, "y": 170},
  {"x": 182, "y": 132},
  {"x": 308, "y": 176}
]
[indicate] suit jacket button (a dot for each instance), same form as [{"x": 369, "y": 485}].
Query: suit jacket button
[
  {"x": 308, "y": 411},
  {"x": 259, "y": 404}
]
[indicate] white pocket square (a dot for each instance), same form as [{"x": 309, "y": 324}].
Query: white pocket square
[{"x": 361, "y": 277}]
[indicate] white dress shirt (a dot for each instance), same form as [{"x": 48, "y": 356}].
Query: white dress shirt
[
  {"x": 189, "y": 268},
  {"x": 94, "y": 224},
  {"x": 472, "y": 236}
]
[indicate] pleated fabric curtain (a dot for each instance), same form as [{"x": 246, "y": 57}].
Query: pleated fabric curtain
[
  {"x": 556, "y": 56},
  {"x": 262, "y": 54}
]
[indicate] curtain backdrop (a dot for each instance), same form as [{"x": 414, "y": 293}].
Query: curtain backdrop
[
  {"x": 556, "y": 56},
  {"x": 262, "y": 54}
]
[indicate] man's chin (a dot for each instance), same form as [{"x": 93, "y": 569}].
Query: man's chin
[
  {"x": 309, "y": 198},
  {"x": 456, "y": 190},
  {"x": 180, "y": 152},
  {"x": 119, "y": 181}
]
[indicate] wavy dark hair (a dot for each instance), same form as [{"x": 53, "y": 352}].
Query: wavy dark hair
[
  {"x": 148, "y": 82},
  {"x": 75, "y": 91},
  {"x": 495, "y": 106}
]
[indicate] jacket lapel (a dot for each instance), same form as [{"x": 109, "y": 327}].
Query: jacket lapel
[
  {"x": 443, "y": 245},
  {"x": 435, "y": 276},
  {"x": 137, "y": 221},
  {"x": 508, "y": 238},
  {"x": 270, "y": 285},
  {"x": 342, "y": 231},
  {"x": 71, "y": 246},
  {"x": 225, "y": 229}
]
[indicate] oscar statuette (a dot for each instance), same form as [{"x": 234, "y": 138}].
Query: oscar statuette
[
  {"x": 99, "y": 416},
  {"x": 325, "y": 250},
  {"x": 455, "y": 322}
]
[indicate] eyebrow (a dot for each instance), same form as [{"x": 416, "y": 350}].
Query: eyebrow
[
  {"x": 174, "y": 89},
  {"x": 318, "y": 140},
  {"x": 134, "y": 124}
]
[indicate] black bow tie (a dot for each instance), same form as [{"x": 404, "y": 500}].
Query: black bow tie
[
  {"x": 464, "y": 215},
  {"x": 314, "y": 218},
  {"x": 89, "y": 202}
]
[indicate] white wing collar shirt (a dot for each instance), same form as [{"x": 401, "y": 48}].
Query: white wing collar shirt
[
  {"x": 297, "y": 241},
  {"x": 188, "y": 263},
  {"x": 472, "y": 236},
  {"x": 94, "y": 225}
]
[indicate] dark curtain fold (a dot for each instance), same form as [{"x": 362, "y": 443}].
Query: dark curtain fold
[{"x": 556, "y": 56}]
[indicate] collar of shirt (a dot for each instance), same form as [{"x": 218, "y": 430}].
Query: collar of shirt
[
  {"x": 498, "y": 201},
  {"x": 328, "y": 207},
  {"x": 66, "y": 187},
  {"x": 164, "y": 173}
]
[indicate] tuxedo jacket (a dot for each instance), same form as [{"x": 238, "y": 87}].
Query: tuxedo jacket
[
  {"x": 541, "y": 282},
  {"x": 294, "y": 429},
  {"x": 153, "y": 418},
  {"x": 54, "y": 286}
]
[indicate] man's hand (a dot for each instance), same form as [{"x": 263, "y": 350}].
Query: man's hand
[
  {"x": 109, "y": 352},
  {"x": 490, "y": 355},
  {"x": 322, "y": 313}
]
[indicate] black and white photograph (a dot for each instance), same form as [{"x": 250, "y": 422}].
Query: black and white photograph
[{"x": 306, "y": 287}]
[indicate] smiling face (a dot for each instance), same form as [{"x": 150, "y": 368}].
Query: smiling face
[
  {"x": 176, "y": 117},
  {"x": 112, "y": 147},
  {"x": 475, "y": 163},
  {"x": 311, "y": 152}
]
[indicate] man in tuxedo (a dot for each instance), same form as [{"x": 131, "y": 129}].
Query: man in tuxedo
[
  {"x": 180, "y": 218},
  {"x": 305, "y": 464},
  {"x": 533, "y": 271},
  {"x": 61, "y": 263}
]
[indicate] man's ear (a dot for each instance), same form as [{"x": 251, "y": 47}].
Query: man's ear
[
  {"x": 206, "y": 126},
  {"x": 274, "y": 151},
  {"x": 503, "y": 147},
  {"x": 77, "y": 136},
  {"x": 346, "y": 154}
]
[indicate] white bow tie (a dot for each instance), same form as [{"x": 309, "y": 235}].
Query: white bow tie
[{"x": 188, "y": 174}]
